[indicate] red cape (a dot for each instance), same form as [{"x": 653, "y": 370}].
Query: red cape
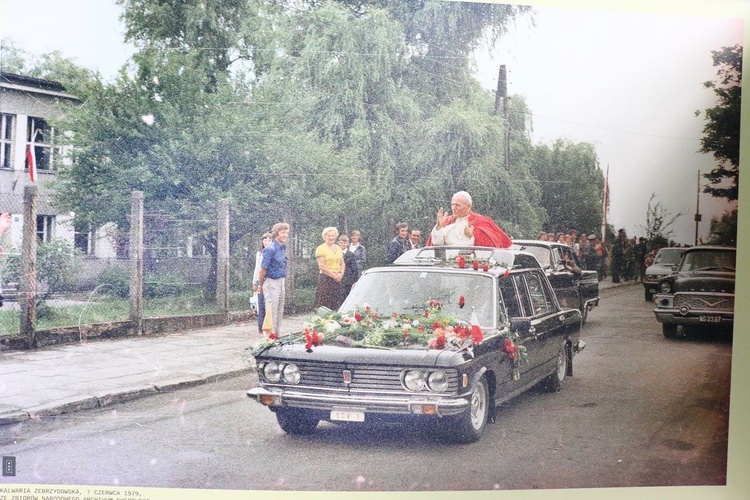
[{"x": 486, "y": 232}]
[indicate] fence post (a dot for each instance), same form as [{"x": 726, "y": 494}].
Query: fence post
[
  {"x": 222, "y": 258},
  {"x": 27, "y": 297},
  {"x": 136, "y": 260}
]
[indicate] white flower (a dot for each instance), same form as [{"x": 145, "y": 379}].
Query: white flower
[{"x": 332, "y": 326}]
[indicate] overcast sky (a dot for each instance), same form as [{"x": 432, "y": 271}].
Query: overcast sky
[{"x": 627, "y": 82}]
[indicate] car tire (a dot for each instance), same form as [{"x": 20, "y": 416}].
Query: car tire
[
  {"x": 669, "y": 330},
  {"x": 469, "y": 426},
  {"x": 296, "y": 421},
  {"x": 554, "y": 382},
  {"x": 648, "y": 296}
]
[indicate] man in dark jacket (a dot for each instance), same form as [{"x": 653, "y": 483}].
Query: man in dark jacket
[{"x": 399, "y": 244}]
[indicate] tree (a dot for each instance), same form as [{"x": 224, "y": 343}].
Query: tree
[
  {"x": 721, "y": 135},
  {"x": 658, "y": 223},
  {"x": 572, "y": 185},
  {"x": 724, "y": 229}
]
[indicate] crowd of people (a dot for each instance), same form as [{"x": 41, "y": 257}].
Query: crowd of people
[
  {"x": 341, "y": 258},
  {"x": 625, "y": 260}
]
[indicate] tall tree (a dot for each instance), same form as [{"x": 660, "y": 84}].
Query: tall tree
[
  {"x": 721, "y": 135},
  {"x": 572, "y": 185}
]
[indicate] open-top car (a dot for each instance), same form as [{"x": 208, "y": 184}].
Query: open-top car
[
  {"x": 665, "y": 262},
  {"x": 700, "y": 292},
  {"x": 443, "y": 337},
  {"x": 574, "y": 286}
]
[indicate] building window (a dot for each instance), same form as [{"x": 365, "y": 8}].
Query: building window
[
  {"x": 83, "y": 239},
  {"x": 42, "y": 136},
  {"x": 45, "y": 225},
  {"x": 6, "y": 140}
]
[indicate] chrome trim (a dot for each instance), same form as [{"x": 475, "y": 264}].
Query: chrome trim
[{"x": 446, "y": 405}]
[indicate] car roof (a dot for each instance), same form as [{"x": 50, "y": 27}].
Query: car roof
[
  {"x": 710, "y": 248},
  {"x": 500, "y": 259}
]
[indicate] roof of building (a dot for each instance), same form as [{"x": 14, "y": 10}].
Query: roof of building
[{"x": 28, "y": 83}]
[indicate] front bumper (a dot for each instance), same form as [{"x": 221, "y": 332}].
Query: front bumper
[
  {"x": 668, "y": 312},
  {"x": 397, "y": 404}
]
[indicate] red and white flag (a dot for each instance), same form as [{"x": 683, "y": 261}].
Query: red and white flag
[{"x": 31, "y": 161}]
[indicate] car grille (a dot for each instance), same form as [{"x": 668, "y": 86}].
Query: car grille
[
  {"x": 364, "y": 378},
  {"x": 704, "y": 301}
]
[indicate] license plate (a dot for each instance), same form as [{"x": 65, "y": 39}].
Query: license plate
[
  {"x": 709, "y": 319},
  {"x": 348, "y": 415}
]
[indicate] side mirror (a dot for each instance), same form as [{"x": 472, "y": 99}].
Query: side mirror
[{"x": 520, "y": 325}]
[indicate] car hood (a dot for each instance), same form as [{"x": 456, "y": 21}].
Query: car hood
[
  {"x": 359, "y": 355},
  {"x": 703, "y": 281},
  {"x": 659, "y": 269}
]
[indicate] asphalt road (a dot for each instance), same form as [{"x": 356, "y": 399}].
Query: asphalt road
[{"x": 640, "y": 410}]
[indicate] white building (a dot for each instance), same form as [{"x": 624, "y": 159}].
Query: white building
[{"x": 26, "y": 106}]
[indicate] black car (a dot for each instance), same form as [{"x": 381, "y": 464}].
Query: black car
[
  {"x": 700, "y": 292},
  {"x": 575, "y": 287},
  {"x": 443, "y": 337},
  {"x": 665, "y": 262}
]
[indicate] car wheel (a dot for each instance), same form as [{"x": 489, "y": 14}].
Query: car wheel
[
  {"x": 295, "y": 421},
  {"x": 669, "y": 330},
  {"x": 648, "y": 296},
  {"x": 469, "y": 427},
  {"x": 554, "y": 382}
]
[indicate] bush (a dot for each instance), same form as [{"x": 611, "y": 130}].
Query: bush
[
  {"x": 115, "y": 282},
  {"x": 164, "y": 285},
  {"x": 57, "y": 266}
]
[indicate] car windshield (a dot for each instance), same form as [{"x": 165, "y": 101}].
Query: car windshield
[
  {"x": 542, "y": 254},
  {"x": 709, "y": 260},
  {"x": 668, "y": 256},
  {"x": 410, "y": 291}
]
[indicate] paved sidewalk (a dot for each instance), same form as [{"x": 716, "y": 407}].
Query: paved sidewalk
[{"x": 62, "y": 379}]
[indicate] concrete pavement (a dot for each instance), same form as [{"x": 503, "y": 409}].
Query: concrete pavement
[{"x": 54, "y": 380}]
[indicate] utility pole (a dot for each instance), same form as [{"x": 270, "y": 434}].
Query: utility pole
[
  {"x": 502, "y": 93},
  {"x": 697, "y": 208}
]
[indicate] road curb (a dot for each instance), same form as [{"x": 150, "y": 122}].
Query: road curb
[{"x": 107, "y": 398}]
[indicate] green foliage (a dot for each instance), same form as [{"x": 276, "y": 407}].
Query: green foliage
[
  {"x": 724, "y": 229},
  {"x": 572, "y": 185},
  {"x": 721, "y": 135},
  {"x": 114, "y": 281},
  {"x": 165, "y": 285},
  {"x": 57, "y": 266}
]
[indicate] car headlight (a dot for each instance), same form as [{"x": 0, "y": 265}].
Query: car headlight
[
  {"x": 665, "y": 287},
  {"x": 272, "y": 371},
  {"x": 291, "y": 374},
  {"x": 413, "y": 380},
  {"x": 437, "y": 381}
]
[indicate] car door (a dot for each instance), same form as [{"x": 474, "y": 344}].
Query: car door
[
  {"x": 564, "y": 282},
  {"x": 528, "y": 296}
]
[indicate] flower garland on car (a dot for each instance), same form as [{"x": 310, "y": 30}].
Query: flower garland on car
[{"x": 476, "y": 263}]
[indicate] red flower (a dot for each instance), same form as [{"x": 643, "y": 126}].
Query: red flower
[
  {"x": 475, "y": 265},
  {"x": 436, "y": 325},
  {"x": 461, "y": 261},
  {"x": 461, "y": 301},
  {"x": 506, "y": 273},
  {"x": 358, "y": 317},
  {"x": 486, "y": 267},
  {"x": 476, "y": 334}
]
